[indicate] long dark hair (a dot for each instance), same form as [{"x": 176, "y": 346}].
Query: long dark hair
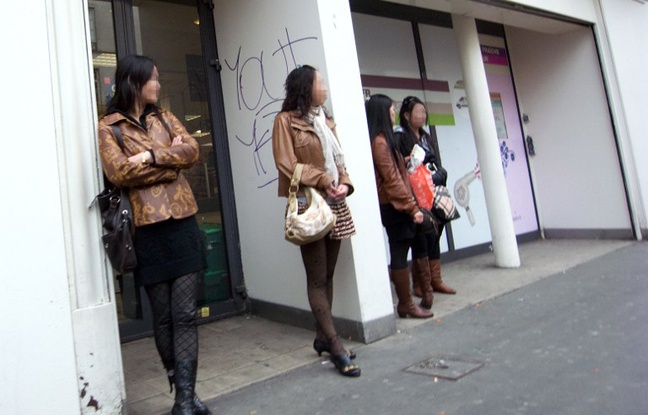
[
  {"x": 299, "y": 89},
  {"x": 132, "y": 73},
  {"x": 407, "y": 107},
  {"x": 379, "y": 120}
]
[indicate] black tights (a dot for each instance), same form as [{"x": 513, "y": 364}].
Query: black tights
[
  {"x": 319, "y": 259},
  {"x": 398, "y": 253},
  {"x": 174, "y": 318},
  {"x": 427, "y": 245},
  {"x": 434, "y": 244}
]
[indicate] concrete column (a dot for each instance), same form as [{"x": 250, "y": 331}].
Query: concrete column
[{"x": 487, "y": 143}]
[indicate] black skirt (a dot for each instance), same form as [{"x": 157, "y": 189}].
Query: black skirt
[
  {"x": 168, "y": 250},
  {"x": 399, "y": 225}
]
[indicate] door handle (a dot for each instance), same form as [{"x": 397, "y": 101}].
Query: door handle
[{"x": 530, "y": 146}]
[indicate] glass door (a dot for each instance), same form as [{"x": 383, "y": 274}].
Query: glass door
[{"x": 170, "y": 32}]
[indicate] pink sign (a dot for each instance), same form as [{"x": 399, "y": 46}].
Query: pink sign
[{"x": 494, "y": 56}]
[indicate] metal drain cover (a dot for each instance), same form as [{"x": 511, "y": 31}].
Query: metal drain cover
[{"x": 445, "y": 367}]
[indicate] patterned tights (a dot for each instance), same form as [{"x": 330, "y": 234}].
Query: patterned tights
[
  {"x": 174, "y": 318},
  {"x": 319, "y": 259}
]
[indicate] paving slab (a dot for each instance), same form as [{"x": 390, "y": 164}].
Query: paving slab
[{"x": 230, "y": 361}]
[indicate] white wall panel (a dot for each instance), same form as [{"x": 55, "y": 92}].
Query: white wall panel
[
  {"x": 624, "y": 35},
  {"x": 577, "y": 172},
  {"x": 259, "y": 43}
]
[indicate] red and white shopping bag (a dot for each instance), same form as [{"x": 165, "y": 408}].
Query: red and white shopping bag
[{"x": 422, "y": 185}]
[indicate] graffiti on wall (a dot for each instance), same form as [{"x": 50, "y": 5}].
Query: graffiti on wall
[{"x": 259, "y": 81}]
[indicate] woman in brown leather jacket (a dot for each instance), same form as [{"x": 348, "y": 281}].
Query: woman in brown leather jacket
[
  {"x": 170, "y": 253},
  {"x": 303, "y": 133},
  {"x": 413, "y": 117},
  {"x": 398, "y": 210}
]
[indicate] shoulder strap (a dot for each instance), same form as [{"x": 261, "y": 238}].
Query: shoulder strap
[
  {"x": 120, "y": 140},
  {"x": 118, "y": 135},
  {"x": 296, "y": 178}
]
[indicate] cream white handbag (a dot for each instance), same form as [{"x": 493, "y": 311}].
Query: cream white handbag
[{"x": 315, "y": 222}]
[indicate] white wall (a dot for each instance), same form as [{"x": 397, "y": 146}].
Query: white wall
[
  {"x": 577, "y": 9},
  {"x": 37, "y": 340},
  {"x": 255, "y": 67},
  {"x": 576, "y": 170},
  {"x": 480, "y": 9},
  {"x": 60, "y": 338},
  {"x": 259, "y": 44},
  {"x": 623, "y": 34}
]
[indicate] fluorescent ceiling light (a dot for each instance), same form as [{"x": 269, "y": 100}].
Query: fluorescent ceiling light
[
  {"x": 199, "y": 134},
  {"x": 105, "y": 59}
]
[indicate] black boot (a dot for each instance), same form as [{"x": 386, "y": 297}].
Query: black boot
[
  {"x": 201, "y": 409},
  {"x": 185, "y": 381}
]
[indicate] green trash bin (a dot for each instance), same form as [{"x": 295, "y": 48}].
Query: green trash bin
[{"x": 216, "y": 283}]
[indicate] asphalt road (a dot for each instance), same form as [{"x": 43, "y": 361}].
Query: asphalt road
[{"x": 572, "y": 343}]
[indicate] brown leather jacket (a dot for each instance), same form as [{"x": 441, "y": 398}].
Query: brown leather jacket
[
  {"x": 157, "y": 191},
  {"x": 295, "y": 141},
  {"x": 391, "y": 179}
]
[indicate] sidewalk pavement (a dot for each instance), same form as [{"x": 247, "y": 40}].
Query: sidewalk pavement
[{"x": 245, "y": 350}]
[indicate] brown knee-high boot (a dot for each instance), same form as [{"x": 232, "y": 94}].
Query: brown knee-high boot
[
  {"x": 415, "y": 281},
  {"x": 406, "y": 307},
  {"x": 437, "y": 283},
  {"x": 421, "y": 274}
]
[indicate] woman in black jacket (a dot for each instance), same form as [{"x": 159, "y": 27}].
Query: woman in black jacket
[
  {"x": 413, "y": 116},
  {"x": 399, "y": 212}
]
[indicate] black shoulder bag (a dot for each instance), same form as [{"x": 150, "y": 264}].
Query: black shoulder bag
[{"x": 117, "y": 221}]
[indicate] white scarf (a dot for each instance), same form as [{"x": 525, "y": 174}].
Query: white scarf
[{"x": 333, "y": 156}]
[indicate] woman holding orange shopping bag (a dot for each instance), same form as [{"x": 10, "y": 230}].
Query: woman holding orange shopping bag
[
  {"x": 400, "y": 215},
  {"x": 427, "y": 252}
]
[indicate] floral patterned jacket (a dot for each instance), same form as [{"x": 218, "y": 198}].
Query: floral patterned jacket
[{"x": 158, "y": 191}]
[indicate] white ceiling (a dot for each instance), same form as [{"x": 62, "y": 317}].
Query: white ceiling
[{"x": 495, "y": 14}]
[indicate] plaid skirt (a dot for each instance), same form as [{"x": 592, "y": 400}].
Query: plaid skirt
[{"x": 344, "y": 227}]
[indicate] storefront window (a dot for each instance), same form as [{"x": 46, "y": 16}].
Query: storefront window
[{"x": 104, "y": 56}]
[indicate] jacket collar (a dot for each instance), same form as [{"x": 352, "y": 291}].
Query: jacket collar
[
  {"x": 298, "y": 121},
  {"x": 118, "y": 116}
]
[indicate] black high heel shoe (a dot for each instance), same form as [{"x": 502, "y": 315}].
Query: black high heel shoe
[
  {"x": 344, "y": 366},
  {"x": 321, "y": 346}
]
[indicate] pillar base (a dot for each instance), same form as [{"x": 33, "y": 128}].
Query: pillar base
[{"x": 363, "y": 332}]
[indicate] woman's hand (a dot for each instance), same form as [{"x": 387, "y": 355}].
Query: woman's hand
[
  {"x": 143, "y": 157},
  {"x": 337, "y": 193},
  {"x": 418, "y": 217},
  {"x": 177, "y": 140}
]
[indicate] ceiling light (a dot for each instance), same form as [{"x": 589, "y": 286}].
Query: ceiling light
[
  {"x": 105, "y": 59},
  {"x": 199, "y": 134}
]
